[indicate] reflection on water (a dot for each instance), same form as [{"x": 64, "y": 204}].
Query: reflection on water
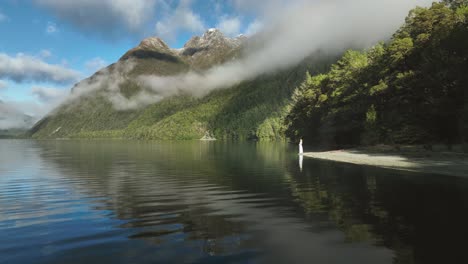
[
  {"x": 301, "y": 161},
  {"x": 218, "y": 202}
]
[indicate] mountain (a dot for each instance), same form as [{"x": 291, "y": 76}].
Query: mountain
[
  {"x": 411, "y": 90},
  {"x": 13, "y": 122},
  {"x": 249, "y": 110}
]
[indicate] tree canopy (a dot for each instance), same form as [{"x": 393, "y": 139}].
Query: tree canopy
[{"x": 411, "y": 89}]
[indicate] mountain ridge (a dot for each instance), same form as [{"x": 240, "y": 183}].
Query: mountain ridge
[
  {"x": 212, "y": 44},
  {"x": 248, "y": 110}
]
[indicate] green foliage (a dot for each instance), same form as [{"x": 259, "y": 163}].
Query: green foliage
[
  {"x": 399, "y": 49},
  {"x": 13, "y": 133},
  {"x": 378, "y": 88},
  {"x": 113, "y": 134},
  {"x": 455, "y": 3},
  {"x": 411, "y": 90},
  {"x": 371, "y": 115}
]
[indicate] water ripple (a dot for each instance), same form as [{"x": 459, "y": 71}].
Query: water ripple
[{"x": 141, "y": 202}]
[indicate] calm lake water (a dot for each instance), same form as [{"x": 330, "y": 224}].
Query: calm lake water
[{"x": 217, "y": 202}]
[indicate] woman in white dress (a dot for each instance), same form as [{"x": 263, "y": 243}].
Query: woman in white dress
[{"x": 301, "y": 151}]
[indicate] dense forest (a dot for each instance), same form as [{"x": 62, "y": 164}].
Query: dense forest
[{"x": 411, "y": 89}]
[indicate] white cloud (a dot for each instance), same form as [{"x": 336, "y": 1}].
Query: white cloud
[
  {"x": 103, "y": 16},
  {"x": 23, "y": 68},
  {"x": 230, "y": 26},
  {"x": 254, "y": 27},
  {"x": 51, "y": 28},
  {"x": 3, "y": 85},
  {"x": 12, "y": 114},
  {"x": 49, "y": 95},
  {"x": 182, "y": 18},
  {"x": 23, "y": 114},
  {"x": 109, "y": 81},
  {"x": 95, "y": 64}
]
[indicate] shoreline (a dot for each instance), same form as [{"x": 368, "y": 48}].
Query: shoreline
[{"x": 422, "y": 161}]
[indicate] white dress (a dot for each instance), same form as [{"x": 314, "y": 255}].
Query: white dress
[{"x": 300, "y": 147}]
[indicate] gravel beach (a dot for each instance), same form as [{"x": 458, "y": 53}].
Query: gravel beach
[{"x": 446, "y": 163}]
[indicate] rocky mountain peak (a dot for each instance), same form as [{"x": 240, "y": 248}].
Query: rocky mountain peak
[
  {"x": 213, "y": 38},
  {"x": 152, "y": 47},
  {"x": 203, "y": 51},
  {"x": 213, "y": 33},
  {"x": 153, "y": 43}
]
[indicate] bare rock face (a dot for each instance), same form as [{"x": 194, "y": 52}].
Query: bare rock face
[
  {"x": 153, "y": 43},
  {"x": 152, "y": 47},
  {"x": 213, "y": 39},
  {"x": 210, "y": 49},
  {"x": 200, "y": 52}
]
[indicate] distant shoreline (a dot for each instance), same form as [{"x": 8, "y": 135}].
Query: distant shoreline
[{"x": 445, "y": 163}]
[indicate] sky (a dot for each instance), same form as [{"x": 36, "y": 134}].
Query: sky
[{"x": 49, "y": 45}]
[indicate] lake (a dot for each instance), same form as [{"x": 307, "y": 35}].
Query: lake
[{"x": 219, "y": 202}]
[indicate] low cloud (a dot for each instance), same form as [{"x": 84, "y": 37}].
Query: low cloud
[
  {"x": 23, "y": 114},
  {"x": 254, "y": 27},
  {"x": 105, "y": 17},
  {"x": 12, "y": 117},
  {"x": 292, "y": 31},
  {"x": 107, "y": 81},
  {"x": 22, "y": 68},
  {"x": 49, "y": 95}
]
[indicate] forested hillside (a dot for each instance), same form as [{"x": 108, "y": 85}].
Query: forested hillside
[
  {"x": 411, "y": 89},
  {"x": 252, "y": 109}
]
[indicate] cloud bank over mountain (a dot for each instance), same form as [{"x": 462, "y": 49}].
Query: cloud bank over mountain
[
  {"x": 293, "y": 30},
  {"x": 282, "y": 34}
]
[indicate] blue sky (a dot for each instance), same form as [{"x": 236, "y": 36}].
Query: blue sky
[{"x": 48, "y": 45}]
